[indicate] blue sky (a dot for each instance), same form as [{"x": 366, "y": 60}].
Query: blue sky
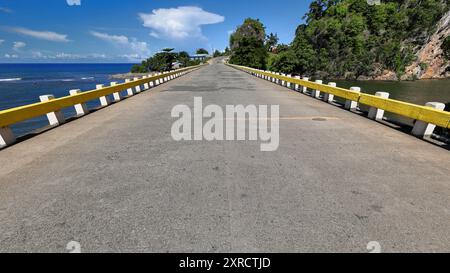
[{"x": 129, "y": 31}]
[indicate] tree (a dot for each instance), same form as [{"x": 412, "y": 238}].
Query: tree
[
  {"x": 184, "y": 58},
  {"x": 248, "y": 45},
  {"x": 202, "y": 51},
  {"x": 217, "y": 54},
  {"x": 271, "y": 41}
]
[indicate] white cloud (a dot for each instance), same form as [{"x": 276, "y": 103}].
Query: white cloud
[
  {"x": 133, "y": 44},
  {"x": 18, "y": 46},
  {"x": 13, "y": 56},
  {"x": 74, "y": 2},
  {"x": 179, "y": 23},
  {"x": 43, "y": 35}
]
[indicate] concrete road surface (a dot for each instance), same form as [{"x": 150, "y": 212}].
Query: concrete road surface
[{"x": 116, "y": 181}]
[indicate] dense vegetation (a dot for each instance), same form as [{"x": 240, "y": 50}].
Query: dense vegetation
[
  {"x": 164, "y": 60},
  {"x": 344, "y": 38}
]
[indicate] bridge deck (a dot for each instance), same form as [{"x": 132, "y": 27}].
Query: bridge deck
[{"x": 116, "y": 181}]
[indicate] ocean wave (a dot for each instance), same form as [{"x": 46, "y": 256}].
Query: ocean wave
[
  {"x": 68, "y": 80},
  {"x": 10, "y": 80},
  {"x": 87, "y": 78}
]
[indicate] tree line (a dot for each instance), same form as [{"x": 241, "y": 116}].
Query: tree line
[{"x": 343, "y": 38}]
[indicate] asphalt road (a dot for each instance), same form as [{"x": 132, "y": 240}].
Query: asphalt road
[{"x": 116, "y": 181}]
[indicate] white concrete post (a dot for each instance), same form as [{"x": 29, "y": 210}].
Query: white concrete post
[
  {"x": 297, "y": 86},
  {"x": 152, "y": 84},
  {"x": 349, "y": 104},
  {"x": 305, "y": 89},
  {"x": 316, "y": 93},
  {"x": 422, "y": 129},
  {"x": 130, "y": 91},
  {"x": 54, "y": 118},
  {"x": 157, "y": 81},
  {"x": 283, "y": 83},
  {"x": 104, "y": 101},
  {"x": 146, "y": 86},
  {"x": 278, "y": 80},
  {"x": 137, "y": 88},
  {"x": 116, "y": 96},
  {"x": 6, "y": 137},
  {"x": 329, "y": 97},
  {"x": 375, "y": 113},
  {"x": 289, "y": 83},
  {"x": 80, "y": 109}
]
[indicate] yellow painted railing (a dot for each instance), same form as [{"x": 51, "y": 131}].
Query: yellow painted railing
[
  {"x": 413, "y": 111},
  {"x": 18, "y": 114}
]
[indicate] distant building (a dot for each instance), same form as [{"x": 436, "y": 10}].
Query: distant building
[
  {"x": 176, "y": 65},
  {"x": 199, "y": 57}
]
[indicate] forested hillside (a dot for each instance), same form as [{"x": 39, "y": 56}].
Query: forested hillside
[{"x": 354, "y": 40}]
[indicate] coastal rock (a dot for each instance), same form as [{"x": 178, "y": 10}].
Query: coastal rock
[{"x": 430, "y": 63}]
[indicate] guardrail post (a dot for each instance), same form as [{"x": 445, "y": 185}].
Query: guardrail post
[
  {"x": 6, "y": 137},
  {"x": 116, "y": 96},
  {"x": 297, "y": 86},
  {"x": 329, "y": 97},
  {"x": 305, "y": 89},
  {"x": 349, "y": 104},
  {"x": 375, "y": 113},
  {"x": 146, "y": 86},
  {"x": 137, "y": 88},
  {"x": 422, "y": 129},
  {"x": 130, "y": 91},
  {"x": 316, "y": 93},
  {"x": 104, "y": 101},
  {"x": 81, "y": 109},
  {"x": 288, "y": 84},
  {"x": 283, "y": 82},
  {"x": 54, "y": 118}
]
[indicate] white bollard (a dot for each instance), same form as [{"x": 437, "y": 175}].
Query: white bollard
[
  {"x": 289, "y": 83},
  {"x": 422, "y": 129},
  {"x": 329, "y": 97},
  {"x": 54, "y": 118},
  {"x": 375, "y": 113},
  {"x": 146, "y": 86},
  {"x": 283, "y": 83},
  {"x": 6, "y": 137},
  {"x": 81, "y": 109},
  {"x": 137, "y": 88},
  {"x": 116, "y": 96},
  {"x": 316, "y": 93},
  {"x": 130, "y": 91},
  {"x": 305, "y": 89},
  {"x": 104, "y": 101},
  {"x": 352, "y": 105},
  {"x": 297, "y": 86}
]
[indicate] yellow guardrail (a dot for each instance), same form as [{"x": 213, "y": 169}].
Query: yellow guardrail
[
  {"x": 413, "y": 111},
  {"x": 18, "y": 114}
]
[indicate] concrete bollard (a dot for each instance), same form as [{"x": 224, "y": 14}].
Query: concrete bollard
[
  {"x": 283, "y": 83},
  {"x": 80, "y": 109},
  {"x": 316, "y": 93},
  {"x": 375, "y": 113},
  {"x": 352, "y": 105},
  {"x": 137, "y": 88},
  {"x": 104, "y": 101},
  {"x": 6, "y": 137},
  {"x": 116, "y": 96},
  {"x": 297, "y": 86},
  {"x": 54, "y": 118},
  {"x": 329, "y": 97},
  {"x": 130, "y": 91},
  {"x": 305, "y": 89},
  {"x": 288, "y": 85},
  {"x": 146, "y": 86},
  {"x": 423, "y": 129}
]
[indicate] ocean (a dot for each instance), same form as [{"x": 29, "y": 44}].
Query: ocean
[{"x": 22, "y": 84}]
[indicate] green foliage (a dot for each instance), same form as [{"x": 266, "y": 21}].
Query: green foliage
[
  {"x": 248, "y": 44},
  {"x": 202, "y": 51},
  {"x": 271, "y": 41},
  {"x": 351, "y": 38},
  {"x": 163, "y": 61},
  {"x": 446, "y": 48}
]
